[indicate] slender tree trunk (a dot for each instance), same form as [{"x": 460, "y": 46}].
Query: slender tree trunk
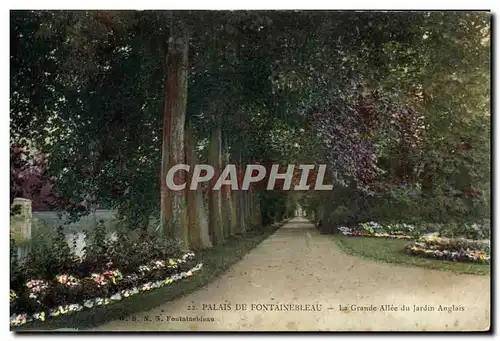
[
  {"x": 165, "y": 199},
  {"x": 215, "y": 197},
  {"x": 241, "y": 207},
  {"x": 251, "y": 208},
  {"x": 257, "y": 213},
  {"x": 226, "y": 214},
  {"x": 236, "y": 195},
  {"x": 175, "y": 117},
  {"x": 224, "y": 203},
  {"x": 230, "y": 210},
  {"x": 203, "y": 220},
  {"x": 234, "y": 213},
  {"x": 197, "y": 216},
  {"x": 192, "y": 215},
  {"x": 248, "y": 208}
]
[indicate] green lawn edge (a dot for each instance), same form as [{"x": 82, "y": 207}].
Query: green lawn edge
[
  {"x": 216, "y": 261},
  {"x": 392, "y": 251}
]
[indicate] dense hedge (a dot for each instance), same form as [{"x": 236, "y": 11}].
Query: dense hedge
[{"x": 346, "y": 206}]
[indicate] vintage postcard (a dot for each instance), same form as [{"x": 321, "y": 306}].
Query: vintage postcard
[{"x": 244, "y": 170}]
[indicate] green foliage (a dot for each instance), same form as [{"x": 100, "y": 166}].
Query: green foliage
[
  {"x": 96, "y": 243},
  {"x": 48, "y": 253},
  {"x": 396, "y": 103},
  {"x": 273, "y": 206},
  {"x": 476, "y": 231}
]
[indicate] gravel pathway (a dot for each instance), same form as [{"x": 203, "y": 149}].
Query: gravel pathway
[{"x": 299, "y": 280}]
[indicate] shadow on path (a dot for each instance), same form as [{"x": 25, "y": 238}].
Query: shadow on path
[{"x": 298, "y": 279}]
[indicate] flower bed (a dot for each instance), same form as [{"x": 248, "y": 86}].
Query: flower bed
[
  {"x": 66, "y": 293},
  {"x": 373, "y": 229},
  {"x": 462, "y": 250}
]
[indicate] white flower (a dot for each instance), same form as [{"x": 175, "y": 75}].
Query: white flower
[
  {"x": 99, "y": 279},
  {"x": 159, "y": 263},
  {"x": 38, "y": 285},
  {"x": 68, "y": 280},
  {"x": 18, "y": 320},
  {"x": 132, "y": 277},
  {"x": 12, "y": 295},
  {"x": 62, "y": 278},
  {"x": 146, "y": 286},
  {"x": 75, "y": 307},
  {"x": 39, "y": 316},
  {"x": 144, "y": 268},
  {"x": 345, "y": 230},
  {"x": 54, "y": 312}
]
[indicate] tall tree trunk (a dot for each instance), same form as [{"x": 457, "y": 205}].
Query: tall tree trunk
[
  {"x": 241, "y": 222},
  {"x": 165, "y": 198},
  {"x": 257, "y": 213},
  {"x": 224, "y": 203},
  {"x": 237, "y": 225},
  {"x": 249, "y": 208},
  {"x": 241, "y": 207},
  {"x": 203, "y": 220},
  {"x": 215, "y": 197},
  {"x": 174, "y": 203},
  {"x": 229, "y": 208},
  {"x": 233, "y": 220},
  {"x": 234, "y": 215},
  {"x": 197, "y": 216}
]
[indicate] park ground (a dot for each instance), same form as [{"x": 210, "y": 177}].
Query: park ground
[{"x": 298, "y": 265}]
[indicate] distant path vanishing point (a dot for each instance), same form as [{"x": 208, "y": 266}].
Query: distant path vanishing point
[{"x": 299, "y": 266}]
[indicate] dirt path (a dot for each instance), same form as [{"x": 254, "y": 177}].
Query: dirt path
[{"x": 298, "y": 266}]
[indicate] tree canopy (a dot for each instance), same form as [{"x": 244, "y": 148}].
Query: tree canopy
[{"x": 395, "y": 103}]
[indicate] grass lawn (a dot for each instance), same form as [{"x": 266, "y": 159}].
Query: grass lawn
[
  {"x": 215, "y": 262},
  {"x": 393, "y": 251}
]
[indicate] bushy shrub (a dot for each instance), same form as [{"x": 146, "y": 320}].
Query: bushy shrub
[
  {"x": 273, "y": 205},
  {"x": 49, "y": 256},
  {"x": 480, "y": 230},
  {"x": 340, "y": 215}
]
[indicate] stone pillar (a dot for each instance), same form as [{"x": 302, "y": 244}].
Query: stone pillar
[{"x": 20, "y": 224}]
